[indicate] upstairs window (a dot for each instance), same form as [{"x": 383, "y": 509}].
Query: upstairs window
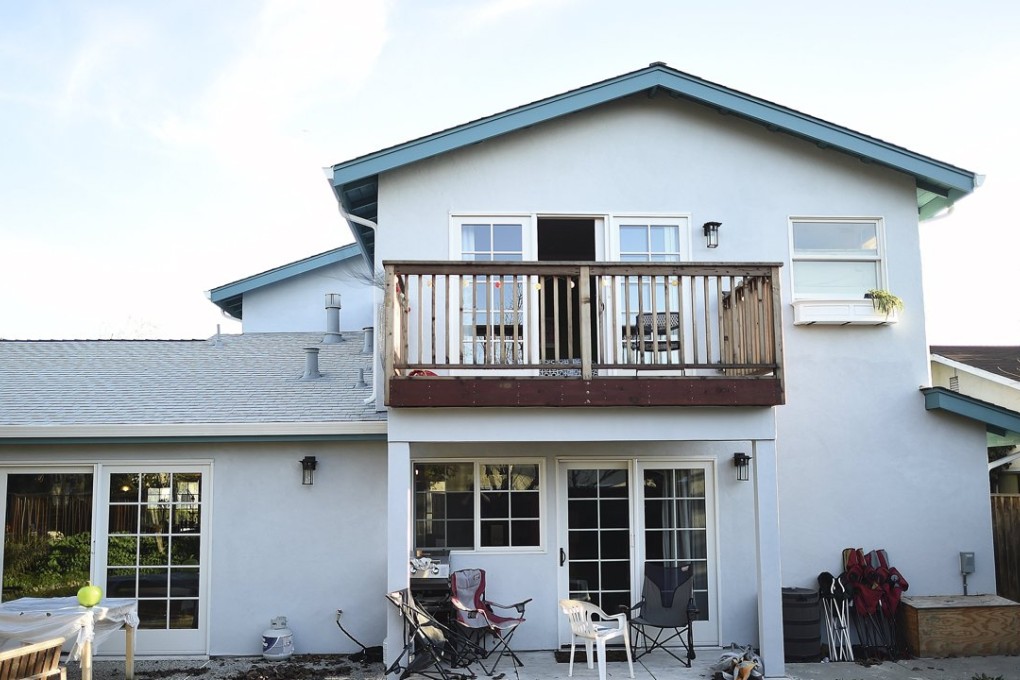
[
  {"x": 649, "y": 241},
  {"x": 836, "y": 258}
]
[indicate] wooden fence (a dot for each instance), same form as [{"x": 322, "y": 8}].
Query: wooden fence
[{"x": 1006, "y": 539}]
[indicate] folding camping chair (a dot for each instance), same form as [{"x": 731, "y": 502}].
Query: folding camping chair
[
  {"x": 475, "y": 614},
  {"x": 431, "y": 649},
  {"x": 667, "y": 608}
]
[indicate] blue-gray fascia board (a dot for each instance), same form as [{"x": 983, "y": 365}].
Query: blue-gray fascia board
[
  {"x": 992, "y": 415},
  {"x": 927, "y": 170},
  {"x": 198, "y": 439},
  {"x": 285, "y": 272}
]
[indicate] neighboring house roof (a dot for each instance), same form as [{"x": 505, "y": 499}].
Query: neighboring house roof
[
  {"x": 1003, "y": 360},
  {"x": 230, "y": 296},
  {"x": 355, "y": 182},
  {"x": 229, "y": 386}
]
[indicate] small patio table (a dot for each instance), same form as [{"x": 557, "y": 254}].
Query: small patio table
[{"x": 35, "y": 619}]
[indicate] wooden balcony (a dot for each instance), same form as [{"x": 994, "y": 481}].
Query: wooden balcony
[{"x": 582, "y": 334}]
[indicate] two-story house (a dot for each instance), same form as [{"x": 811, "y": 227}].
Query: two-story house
[
  {"x": 596, "y": 303},
  {"x": 622, "y": 324}
]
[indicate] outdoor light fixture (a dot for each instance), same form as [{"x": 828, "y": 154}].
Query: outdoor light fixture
[
  {"x": 307, "y": 470},
  {"x": 712, "y": 234},
  {"x": 742, "y": 462}
]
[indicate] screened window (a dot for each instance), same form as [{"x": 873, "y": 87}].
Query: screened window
[
  {"x": 836, "y": 258},
  {"x": 469, "y": 506}
]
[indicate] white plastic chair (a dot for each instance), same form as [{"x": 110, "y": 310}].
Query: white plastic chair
[{"x": 583, "y": 625}]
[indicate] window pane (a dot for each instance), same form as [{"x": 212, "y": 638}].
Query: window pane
[
  {"x": 633, "y": 238},
  {"x": 665, "y": 238},
  {"x": 495, "y": 504},
  {"x": 495, "y": 534},
  {"x": 524, "y": 477},
  {"x": 506, "y": 238},
  {"x": 838, "y": 238},
  {"x": 525, "y": 533},
  {"x": 475, "y": 238},
  {"x": 48, "y": 534},
  {"x": 837, "y": 279}
]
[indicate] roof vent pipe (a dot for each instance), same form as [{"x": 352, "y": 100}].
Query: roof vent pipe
[
  {"x": 369, "y": 345},
  {"x": 311, "y": 364},
  {"x": 333, "y": 335}
]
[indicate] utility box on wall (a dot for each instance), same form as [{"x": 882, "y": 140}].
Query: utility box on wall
[{"x": 961, "y": 625}]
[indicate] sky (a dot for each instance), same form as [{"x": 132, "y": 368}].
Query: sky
[{"x": 152, "y": 150}]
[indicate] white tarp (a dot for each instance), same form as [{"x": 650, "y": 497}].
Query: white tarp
[{"x": 36, "y": 619}]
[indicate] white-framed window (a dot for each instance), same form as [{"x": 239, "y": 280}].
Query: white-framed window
[
  {"x": 836, "y": 258},
  {"x": 474, "y": 505},
  {"x": 646, "y": 239},
  {"x": 490, "y": 301}
]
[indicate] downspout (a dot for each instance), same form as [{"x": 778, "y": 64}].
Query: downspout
[
  {"x": 375, "y": 358},
  {"x": 354, "y": 219}
]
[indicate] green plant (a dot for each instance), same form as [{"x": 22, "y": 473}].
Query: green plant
[
  {"x": 982, "y": 676},
  {"x": 884, "y": 301}
]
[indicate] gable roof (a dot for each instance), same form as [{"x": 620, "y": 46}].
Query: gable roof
[
  {"x": 230, "y": 296},
  {"x": 229, "y": 386},
  {"x": 1000, "y": 360},
  {"x": 355, "y": 182}
]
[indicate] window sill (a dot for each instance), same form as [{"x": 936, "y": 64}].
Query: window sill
[{"x": 840, "y": 313}]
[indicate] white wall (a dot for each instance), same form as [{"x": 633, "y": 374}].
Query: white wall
[
  {"x": 298, "y": 304},
  {"x": 301, "y": 552},
  {"x": 861, "y": 463}
]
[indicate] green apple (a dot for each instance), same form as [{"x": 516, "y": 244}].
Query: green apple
[{"x": 90, "y": 595}]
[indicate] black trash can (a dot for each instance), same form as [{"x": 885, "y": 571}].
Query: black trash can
[{"x": 802, "y": 625}]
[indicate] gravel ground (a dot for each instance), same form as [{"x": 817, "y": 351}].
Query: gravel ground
[{"x": 297, "y": 667}]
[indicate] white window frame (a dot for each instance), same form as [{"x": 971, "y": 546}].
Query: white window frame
[
  {"x": 879, "y": 258},
  {"x": 477, "y": 518},
  {"x": 526, "y": 220},
  {"x": 681, "y": 220}
]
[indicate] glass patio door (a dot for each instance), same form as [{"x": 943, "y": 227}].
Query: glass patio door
[
  {"x": 47, "y": 531},
  {"x": 595, "y": 534},
  {"x": 676, "y": 525},
  {"x": 156, "y": 551}
]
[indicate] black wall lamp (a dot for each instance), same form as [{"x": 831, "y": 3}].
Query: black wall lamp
[
  {"x": 307, "y": 470},
  {"x": 712, "y": 234},
  {"x": 742, "y": 462}
]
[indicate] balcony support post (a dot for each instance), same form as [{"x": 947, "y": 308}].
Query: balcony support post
[{"x": 584, "y": 281}]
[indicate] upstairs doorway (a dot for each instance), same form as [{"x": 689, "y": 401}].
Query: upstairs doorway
[{"x": 566, "y": 239}]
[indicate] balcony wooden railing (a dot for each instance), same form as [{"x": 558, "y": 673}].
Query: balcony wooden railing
[{"x": 582, "y": 322}]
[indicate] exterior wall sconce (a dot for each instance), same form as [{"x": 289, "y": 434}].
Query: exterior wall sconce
[
  {"x": 307, "y": 470},
  {"x": 742, "y": 462},
  {"x": 712, "y": 234}
]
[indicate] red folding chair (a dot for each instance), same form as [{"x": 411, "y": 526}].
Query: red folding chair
[{"x": 477, "y": 614}]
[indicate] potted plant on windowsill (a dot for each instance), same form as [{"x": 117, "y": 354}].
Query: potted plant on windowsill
[{"x": 884, "y": 301}]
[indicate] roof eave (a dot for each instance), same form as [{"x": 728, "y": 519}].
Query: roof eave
[{"x": 951, "y": 182}]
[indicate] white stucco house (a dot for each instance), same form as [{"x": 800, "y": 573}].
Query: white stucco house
[{"x": 589, "y": 305}]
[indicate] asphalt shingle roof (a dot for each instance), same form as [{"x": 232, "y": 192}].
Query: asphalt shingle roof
[
  {"x": 250, "y": 378},
  {"x": 1003, "y": 360}
]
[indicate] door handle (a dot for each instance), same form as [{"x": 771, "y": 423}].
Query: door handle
[{"x": 563, "y": 557}]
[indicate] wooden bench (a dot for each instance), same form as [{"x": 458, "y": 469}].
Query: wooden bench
[{"x": 38, "y": 661}]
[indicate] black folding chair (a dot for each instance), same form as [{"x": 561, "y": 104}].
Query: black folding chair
[
  {"x": 665, "y": 612},
  {"x": 431, "y": 649}
]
